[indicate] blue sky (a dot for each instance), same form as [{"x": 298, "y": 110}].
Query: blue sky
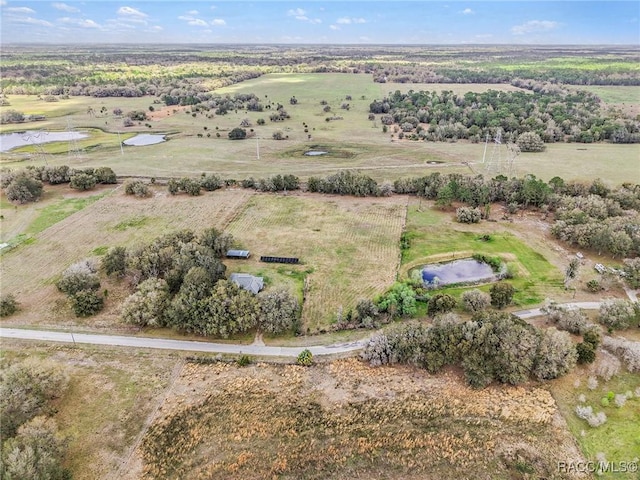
[{"x": 337, "y": 22}]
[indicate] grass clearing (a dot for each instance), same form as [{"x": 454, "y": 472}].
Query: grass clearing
[
  {"x": 618, "y": 439},
  {"x": 538, "y": 278},
  {"x": 369, "y": 150},
  {"x": 113, "y": 220},
  {"x": 110, "y": 395},
  {"x": 345, "y": 420},
  {"x": 348, "y": 247}
]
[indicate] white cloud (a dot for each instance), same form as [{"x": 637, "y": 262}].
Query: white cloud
[
  {"x": 364, "y": 39},
  {"x": 467, "y": 11},
  {"x": 3, "y": 3},
  {"x": 218, "y": 22},
  {"x": 33, "y": 21},
  {"x": 19, "y": 10},
  {"x": 156, "y": 28},
  {"x": 315, "y": 21},
  {"x": 534, "y": 26},
  {"x": 484, "y": 36},
  {"x": 80, "y": 22},
  {"x": 193, "y": 12},
  {"x": 334, "y": 27},
  {"x": 64, "y": 7},
  {"x": 297, "y": 12},
  {"x": 130, "y": 11},
  {"x": 348, "y": 21}
]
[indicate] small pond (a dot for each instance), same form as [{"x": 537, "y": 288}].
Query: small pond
[
  {"x": 458, "y": 271},
  {"x": 143, "y": 139},
  {"x": 315, "y": 153},
  {"x": 9, "y": 141}
]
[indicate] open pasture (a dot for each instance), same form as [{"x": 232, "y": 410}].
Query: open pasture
[
  {"x": 346, "y": 420},
  {"x": 115, "y": 219},
  {"x": 348, "y": 247},
  {"x": 194, "y": 145}
]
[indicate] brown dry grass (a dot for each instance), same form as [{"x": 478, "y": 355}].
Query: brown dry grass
[
  {"x": 345, "y": 420},
  {"x": 30, "y": 271},
  {"x": 350, "y": 245}
]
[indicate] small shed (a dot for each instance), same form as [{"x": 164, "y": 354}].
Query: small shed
[
  {"x": 248, "y": 282},
  {"x": 238, "y": 254}
]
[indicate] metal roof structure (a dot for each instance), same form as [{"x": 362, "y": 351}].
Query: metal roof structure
[
  {"x": 248, "y": 282},
  {"x": 238, "y": 254}
]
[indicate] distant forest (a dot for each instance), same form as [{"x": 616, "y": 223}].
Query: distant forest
[{"x": 131, "y": 71}]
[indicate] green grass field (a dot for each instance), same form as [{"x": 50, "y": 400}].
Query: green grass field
[
  {"x": 370, "y": 150},
  {"x": 536, "y": 279},
  {"x": 618, "y": 439}
]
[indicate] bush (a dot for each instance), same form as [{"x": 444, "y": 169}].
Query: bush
[
  {"x": 441, "y": 303},
  {"x": 211, "y": 182},
  {"x": 501, "y": 294},
  {"x": 400, "y": 301},
  {"x": 305, "y": 358},
  {"x": 79, "y": 276},
  {"x": 148, "y": 305},
  {"x": 105, "y": 175},
  {"x": 244, "y": 360},
  {"x": 468, "y": 215},
  {"x": 83, "y": 181},
  {"x": 530, "y": 142},
  {"x": 238, "y": 134},
  {"x": 23, "y": 189},
  {"x": 627, "y": 350},
  {"x": 86, "y": 303},
  {"x": 137, "y": 188},
  {"x": 594, "y": 286},
  {"x": 279, "y": 311},
  {"x": 570, "y": 320},
  {"x": 8, "y": 305},
  {"x": 585, "y": 353},
  {"x": 475, "y": 300},
  {"x": 115, "y": 261},
  {"x": 619, "y": 314}
]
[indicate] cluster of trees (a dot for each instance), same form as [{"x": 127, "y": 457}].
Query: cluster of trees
[
  {"x": 81, "y": 283},
  {"x": 599, "y": 222},
  {"x": 555, "y": 115},
  {"x": 32, "y": 447},
  {"x": 619, "y": 314},
  {"x": 276, "y": 183},
  {"x": 490, "y": 347},
  {"x": 403, "y": 298},
  {"x": 347, "y": 182},
  {"x": 180, "y": 283},
  {"x": 26, "y": 185}
]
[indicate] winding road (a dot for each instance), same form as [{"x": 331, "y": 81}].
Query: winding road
[{"x": 195, "y": 346}]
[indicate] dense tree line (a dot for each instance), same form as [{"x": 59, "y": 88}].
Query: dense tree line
[
  {"x": 26, "y": 185},
  {"x": 553, "y": 115},
  {"x": 180, "y": 282},
  {"x": 489, "y": 347}
]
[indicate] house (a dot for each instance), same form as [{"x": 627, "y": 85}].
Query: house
[
  {"x": 248, "y": 282},
  {"x": 238, "y": 254}
]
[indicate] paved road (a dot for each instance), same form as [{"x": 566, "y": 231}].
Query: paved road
[
  {"x": 193, "y": 346},
  {"x": 184, "y": 345}
]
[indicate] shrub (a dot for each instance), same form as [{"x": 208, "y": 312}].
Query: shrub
[
  {"x": 594, "y": 286},
  {"x": 475, "y": 300},
  {"x": 627, "y": 350},
  {"x": 305, "y": 358},
  {"x": 570, "y": 320},
  {"x": 86, "y": 303},
  {"x": 501, "y": 294},
  {"x": 137, "y": 188},
  {"x": 618, "y": 314},
  {"x": 530, "y": 142},
  {"x": 238, "y": 134},
  {"x": 79, "y": 276},
  {"x": 468, "y": 215},
  {"x": 585, "y": 352},
  {"x": 620, "y": 400},
  {"x": 8, "y": 305},
  {"x": 211, "y": 182},
  {"x": 378, "y": 350},
  {"x": 400, "y": 301},
  {"x": 23, "y": 189},
  {"x": 82, "y": 181},
  {"x": 148, "y": 305},
  {"x": 115, "y": 261},
  {"x": 441, "y": 303},
  {"x": 105, "y": 175},
  {"x": 244, "y": 360}
]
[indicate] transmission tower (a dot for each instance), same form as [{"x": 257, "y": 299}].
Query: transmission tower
[
  {"x": 72, "y": 143},
  {"x": 37, "y": 139},
  {"x": 502, "y": 158}
]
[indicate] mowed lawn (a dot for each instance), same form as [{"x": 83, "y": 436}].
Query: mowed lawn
[
  {"x": 348, "y": 247},
  {"x": 193, "y": 144},
  {"x": 436, "y": 237}
]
